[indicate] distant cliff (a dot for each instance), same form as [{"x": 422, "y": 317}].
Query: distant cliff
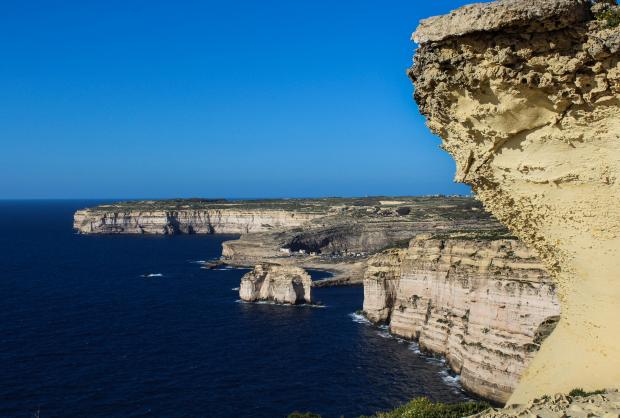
[
  {"x": 190, "y": 217},
  {"x": 484, "y": 304},
  {"x": 210, "y": 221}
]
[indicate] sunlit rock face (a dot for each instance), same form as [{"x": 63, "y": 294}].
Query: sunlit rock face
[
  {"x": 486, "y": 305},
  {"x": 167, "y": 222},
  {"x": 275, "y": 283},
  {"x": 525, "y": 96}
]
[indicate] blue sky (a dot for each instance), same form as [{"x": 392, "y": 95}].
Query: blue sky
[{"x": 131, "y": 99}]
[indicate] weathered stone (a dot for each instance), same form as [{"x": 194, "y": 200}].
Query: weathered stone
[
  {"x": 485, "y": 305},
  {"x": 538, "y": 139},
  {"x": 208, "y": 221},
  {"x": 280, "y": 284},
  {"x": 527, "y": 15},
  {"x": 606, "y": 405}
]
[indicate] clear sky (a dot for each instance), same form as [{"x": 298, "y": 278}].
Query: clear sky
[{"x": 245, "y": 98}]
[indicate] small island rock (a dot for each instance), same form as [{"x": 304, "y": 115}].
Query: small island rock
[{"x": 280, "y": 284}]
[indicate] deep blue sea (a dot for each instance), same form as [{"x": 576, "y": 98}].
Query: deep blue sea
[{"x": 83, "y": 334}]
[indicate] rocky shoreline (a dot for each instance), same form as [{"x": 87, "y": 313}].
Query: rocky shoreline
[
  {"x": 451, "y": 277},
  {"x": 485, "y": 305}
]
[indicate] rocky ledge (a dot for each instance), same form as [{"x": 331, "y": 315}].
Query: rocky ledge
[
  {"x": 275, "y": 283},
  {"x": 605, "y": 404},
  {"x": 486, "y": 305},
  {"x": 525, "y": 95}
]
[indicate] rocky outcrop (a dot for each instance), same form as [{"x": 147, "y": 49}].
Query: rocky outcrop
[
  {"x": 605, "y": 404},
  {"x": 342, "y": 241},
  {"x": 280, "y": 284},
  {"x": 525, "y": 95},
  {"x": 484, "y": 305}
]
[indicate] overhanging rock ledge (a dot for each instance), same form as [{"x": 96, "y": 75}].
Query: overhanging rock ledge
[{"x": 525, "y": 95}]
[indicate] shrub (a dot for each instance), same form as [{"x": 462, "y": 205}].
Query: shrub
[
  {"x": 608, "y": 11},
  {"x": 424, "y": 408},
  {"x": 303, "y": 415},
  {"x": 579, "y": 392}
]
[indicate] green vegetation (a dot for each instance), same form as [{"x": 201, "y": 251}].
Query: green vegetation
[
  {"x": 579, "y": 392},
  {"x": 424, "y": 408},
  {"x": 303, "y": 415},
  {"x": 421, "y": 408},
  {"x": 410, "y": 207},
  {"x": 609, "y": 13},
  {"x": 475, "y": 235},
  {"x": 611, "y": 16}
]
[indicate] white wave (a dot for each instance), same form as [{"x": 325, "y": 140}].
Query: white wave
[
  {"x": 235, "y": 289},
  {"x": 198, "y": 262},
  {"x": 450, "y": 379},
  {"x": 415, "y": 348},
  {"x": 360, "y": 319},
  {"x": 153, "y": 275},
  {"x": 270, "y": 302}
]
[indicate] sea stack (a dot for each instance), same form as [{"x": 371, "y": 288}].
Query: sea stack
[
  {"x": 525, "y": 95},
  {"x": 276, "y": 283}
]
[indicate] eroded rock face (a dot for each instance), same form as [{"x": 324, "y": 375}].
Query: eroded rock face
[
  {"x": 606, "y": 405},
  {"x": 529, "y": 109},
  {"x": 280, "y": 284},
  {"x": 211, "y": 221},
  {"x": 485, "y": 305}
]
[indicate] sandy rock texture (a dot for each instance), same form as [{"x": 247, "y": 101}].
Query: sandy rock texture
[
  {"x": 486, "y": 305},
  {"x": 605, "y": 405},
  {"x": 525, "y": 96},
  {"x": 280, "y": 284}
]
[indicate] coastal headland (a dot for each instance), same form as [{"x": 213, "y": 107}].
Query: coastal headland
[
  {"x": 439, "y": 270},
  {"x": 337, "y": 235}
]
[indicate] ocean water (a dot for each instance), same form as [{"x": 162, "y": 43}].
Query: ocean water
[{"x": 84, "y": 334}]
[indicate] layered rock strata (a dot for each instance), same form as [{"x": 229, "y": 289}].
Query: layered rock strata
[
  {"x": 188, "y": 221},
  {"x": 341, "y": 242},
  {"x": 280, "y": 284},
  {"x": 525, "y": 95},
  {"x": 484, "y": 305}
]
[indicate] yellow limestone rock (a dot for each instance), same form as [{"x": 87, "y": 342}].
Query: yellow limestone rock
[{"x": 525, "y": 95}]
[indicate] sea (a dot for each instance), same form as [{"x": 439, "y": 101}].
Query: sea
[{"x": 132, "y": 326}]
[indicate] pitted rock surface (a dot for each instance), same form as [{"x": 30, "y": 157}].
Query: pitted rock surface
[{"x": 531, "y": 117}]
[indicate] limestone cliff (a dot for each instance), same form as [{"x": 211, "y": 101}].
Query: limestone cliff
[
  {"x": 525, "y": 95},
  {"x": 280, "y": 284},
  {"x": 188, "y": 221},
  {"x": 485, "y": 305}
]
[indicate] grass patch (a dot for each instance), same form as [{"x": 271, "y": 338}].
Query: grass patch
[
  {"x": 424, "y": 408},
  {"x": 421, "y": 408},
  {"x": 579, "y": 392}
]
